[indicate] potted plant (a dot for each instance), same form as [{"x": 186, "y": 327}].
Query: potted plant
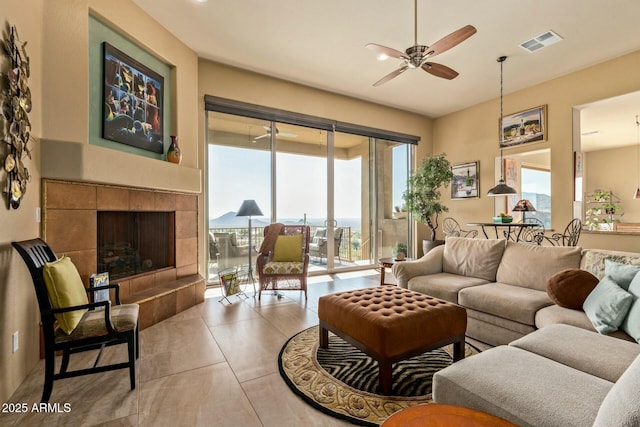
[{"x": 423, "y": 195}]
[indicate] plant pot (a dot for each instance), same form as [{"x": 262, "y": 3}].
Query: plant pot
[{"x": 427, "y": 245}]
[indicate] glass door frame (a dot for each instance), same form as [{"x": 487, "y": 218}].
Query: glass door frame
[{"x": 238, "y": 108}]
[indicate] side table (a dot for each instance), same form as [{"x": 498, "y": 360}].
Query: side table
[
  {"x": 385, "y": 263},
  {"x": 437, "y": 415}
]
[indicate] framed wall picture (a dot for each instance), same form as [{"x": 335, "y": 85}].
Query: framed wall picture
[
  {"x": 524, "y": 127},
  {"x": 133, "y": 102},
  {"x": 466, "y": 181}
]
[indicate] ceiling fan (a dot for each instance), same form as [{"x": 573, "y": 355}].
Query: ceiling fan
[
  {"x": 278, "y": 133},
  {"x": 417, "y": 55}
]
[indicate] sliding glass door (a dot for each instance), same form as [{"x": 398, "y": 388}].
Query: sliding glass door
[{"x": 343, "y": 185}]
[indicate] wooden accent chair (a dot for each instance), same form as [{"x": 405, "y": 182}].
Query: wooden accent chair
[
  {"x": 276, "y": 271},
  {"x": 98, "y": 324}
]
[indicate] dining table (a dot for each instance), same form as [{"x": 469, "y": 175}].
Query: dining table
[{"x": 510, "y": 228}]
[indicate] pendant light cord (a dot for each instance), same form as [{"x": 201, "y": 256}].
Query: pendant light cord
[{"x": 501, "y": 136}]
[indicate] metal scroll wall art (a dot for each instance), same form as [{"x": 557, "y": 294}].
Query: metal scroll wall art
[{"x": 16, "y": 128}]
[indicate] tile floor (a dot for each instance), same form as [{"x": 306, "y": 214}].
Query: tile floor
[{"x": 212, "y": 365}]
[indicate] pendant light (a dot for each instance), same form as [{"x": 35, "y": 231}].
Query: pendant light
[
  {"x": 637, "y": 193},
  {"x": 501, "y": 189}
]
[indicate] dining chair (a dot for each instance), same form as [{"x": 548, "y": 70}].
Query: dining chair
[
  {"x": 451, "y": 228},
  {"x": 569, "y": 237}
]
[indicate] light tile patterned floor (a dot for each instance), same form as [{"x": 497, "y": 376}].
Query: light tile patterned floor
[{"x": 212, "y": 365}]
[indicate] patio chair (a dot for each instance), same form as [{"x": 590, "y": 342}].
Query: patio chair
[
  {"x": 569, "y": 237},
  {"x": 318, "y": 245},
  {"x": 285, "y": 267},
  {"x": 70, "y": 323},
  {"x": 451, "y": 228}
]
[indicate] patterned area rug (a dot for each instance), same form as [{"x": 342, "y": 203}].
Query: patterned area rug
[{"x": 342, "y": 381}]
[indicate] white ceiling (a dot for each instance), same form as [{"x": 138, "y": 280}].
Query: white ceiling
[
  {"x": 320, "y": 43},
  {"x": 610, "y": 123}
]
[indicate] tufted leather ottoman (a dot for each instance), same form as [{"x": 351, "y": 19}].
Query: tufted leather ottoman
[{"x": 391, "y": 324}]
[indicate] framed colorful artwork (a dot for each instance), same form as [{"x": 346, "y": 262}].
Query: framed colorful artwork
[{"x": 133, "y": 102}]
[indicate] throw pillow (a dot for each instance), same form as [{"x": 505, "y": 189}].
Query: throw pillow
[
  {"x": 620, "y": 273},
  {"x": 288, "y": 248},
  {"x": 65, "y": 289},
  {"x": 631, "y": 323},
  {"x": 607, "y": 305},
  {"x": 569, "y": 288}
]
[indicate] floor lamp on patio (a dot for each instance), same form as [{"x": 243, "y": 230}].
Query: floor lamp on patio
[{"x": 250, "y": 208}]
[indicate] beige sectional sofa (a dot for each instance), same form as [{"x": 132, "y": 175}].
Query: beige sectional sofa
[
  {"x": 502, "y": 284},
  {"x": 558, "y": 376},
  {"x": 556, "y": 370}
]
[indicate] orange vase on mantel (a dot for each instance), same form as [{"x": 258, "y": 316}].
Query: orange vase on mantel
[{"x": 174, "y": 155}]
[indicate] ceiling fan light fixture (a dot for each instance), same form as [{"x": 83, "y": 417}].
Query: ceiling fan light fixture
[{"x": 416, "y": 56}]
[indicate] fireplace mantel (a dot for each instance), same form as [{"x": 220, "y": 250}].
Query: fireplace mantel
[{"x": 73, "y": 161}]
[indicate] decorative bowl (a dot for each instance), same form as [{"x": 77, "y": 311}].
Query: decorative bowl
[{"x": 503, "y": 219}]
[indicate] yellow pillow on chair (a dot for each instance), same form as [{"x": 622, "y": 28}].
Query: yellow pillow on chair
[
  {"x": 65, "y": 289},
  {"x": 288, "y": 248}
]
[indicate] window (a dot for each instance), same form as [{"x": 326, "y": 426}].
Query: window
[{"x": 536, "y": 187}]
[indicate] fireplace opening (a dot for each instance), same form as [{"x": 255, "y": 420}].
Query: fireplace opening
[{"x": 133, "y": 242}]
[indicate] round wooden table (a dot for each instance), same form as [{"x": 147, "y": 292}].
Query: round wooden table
[
  {"x": 384, "y": 263},
  {"x": 436, "y": 415}
]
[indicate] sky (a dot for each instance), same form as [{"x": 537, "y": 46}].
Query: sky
[{"x": 301, "y": 183}]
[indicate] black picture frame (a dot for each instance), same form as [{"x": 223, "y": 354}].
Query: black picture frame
[{"x": 133, "y": 100}]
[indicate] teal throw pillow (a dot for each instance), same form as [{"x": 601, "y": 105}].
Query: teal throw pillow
[
  {"x": 607, "y": 305},
  {"x": 631, "y": 323},
  {"x": 620, "y": 273}
]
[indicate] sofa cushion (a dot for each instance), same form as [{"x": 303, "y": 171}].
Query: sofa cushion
[
  {"x": 507, "y": 301},
  {"x": 607, "y": 305},
  {"x": 593, "y": 260},
  {"x": 443, "y": 285},
  {"x": 472, "y": 257},
  {"x": 620, "y": 406},
  {"x": 631, "y": 323},
  {"x": 569, "y": 288},
  {"x": 581, "y": 349},
  {"x": 555, "y": 314},
  {"x": 620, "y": 273},
  {"x": 519, "y": 386},
  {"x": 542, "y": 262}
]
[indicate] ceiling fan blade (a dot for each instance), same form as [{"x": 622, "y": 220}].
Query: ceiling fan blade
[
  {"x": 440, "y": 70},
  {"x": 452, "y": 40},
  {"x": 262, "y": 136},
  {"x": 391, "y": 75},
  {"x": 287, "y": 134},
  {"x": 387, "y": 51}
]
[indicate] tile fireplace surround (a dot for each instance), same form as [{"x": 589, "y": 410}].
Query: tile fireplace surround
[{"x": 69, "y": 226}]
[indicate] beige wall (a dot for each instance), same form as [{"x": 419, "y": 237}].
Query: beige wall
[
  {"x": 18, "y": 308},
  {"x": 472, "y": 134},
  {"x": 59, "y": 45},
  {"x": 616, "y": 170}
]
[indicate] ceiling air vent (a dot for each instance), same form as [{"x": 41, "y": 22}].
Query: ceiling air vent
[{"x": 543, "y": 40}]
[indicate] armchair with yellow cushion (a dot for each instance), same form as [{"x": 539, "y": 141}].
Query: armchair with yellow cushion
[
  {"x": 284, "y": 264},
  {"x": 70, "y": 323}
]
